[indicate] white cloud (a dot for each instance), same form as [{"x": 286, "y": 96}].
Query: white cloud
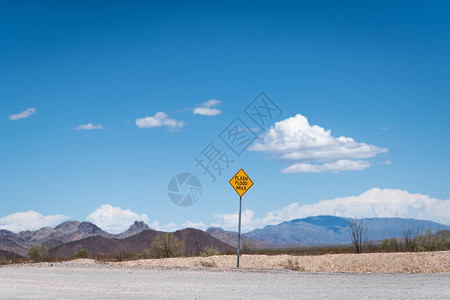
[
  {"x": 30, "y": 220},
  {"x": 197, "y": 225},
  {"x": 294, "y": 140},
  {"x": 171, "y": 227},
  {"x": 335, "y": 167},
  {"x": 22, "y": 115},
  {"x": 375, "y": 203},
  {"x": 158, "y": 120},
  {"x": 89, "y": 126},
  {"x": 386, "y": 163},
  {"x": 114, "y": 219},
  {"x": 207, "y": 108}
]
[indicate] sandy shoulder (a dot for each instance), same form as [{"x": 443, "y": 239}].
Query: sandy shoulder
[{"x": 421, "y": 262}]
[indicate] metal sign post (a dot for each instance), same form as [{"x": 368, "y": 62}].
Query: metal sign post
[
  {"x": 241, "y": 184},
  {"x": 239, "y": 233}
]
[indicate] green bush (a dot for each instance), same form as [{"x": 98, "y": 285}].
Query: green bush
[
  {"x": 391, "y": 245},
  {"x": 210, "y": 251},
  {"x": 34, "y": 252},
  {"x": 82, "y": 253},
  {"x": 163, "y": 246},
  {"x": 430, "y": 242},
  {"x": 415, "y": 239}
]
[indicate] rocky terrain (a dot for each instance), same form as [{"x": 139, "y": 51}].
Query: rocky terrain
[{"x": 66, "y": 232}]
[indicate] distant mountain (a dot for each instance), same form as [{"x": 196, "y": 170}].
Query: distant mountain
[
  {"x": 231, "y": 237},
  {"x": 11, "y": 247},
  {"x": 335, "y": 230},
  {"x": 320, "y": 230},
  {"x": 195, "y": 241},
  {"x": 136, "y": 228},
  {"x": 67, "y": 232}
]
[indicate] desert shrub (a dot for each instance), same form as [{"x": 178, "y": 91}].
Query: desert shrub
[
  {"x": 49, "y": 250},
  {"x": 293, "y": 266},
  {"x": 208, "y": 264},
  {"x": 34, "y": 252},
  {"x": 82, "y": 253},
  {"x": 248, "y": 246},
  {"x": 165, "y": 245},
  {"x": 121, "y": 256},
  {"x": 358, "y": 234},
  {"x": 391, "y": 245},
  {"x": 210, "y": 251},
  {"x": 430, "y": 242},
  {"x": 411, "y": 238},
  {"x": 146, "y": 253}
]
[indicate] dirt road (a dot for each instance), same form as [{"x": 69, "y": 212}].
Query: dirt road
[{"x": 87, "y": 280}]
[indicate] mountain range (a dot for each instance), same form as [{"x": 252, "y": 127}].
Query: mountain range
[
  {"x": 74, "y": 235},
  {"x": 323, "y": 230},
  {"x": 67, "y": 232},
  {"x": 319, "y": 230}
]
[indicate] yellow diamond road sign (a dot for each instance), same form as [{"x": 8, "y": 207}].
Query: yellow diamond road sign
[{"x": 241, "y": 182}]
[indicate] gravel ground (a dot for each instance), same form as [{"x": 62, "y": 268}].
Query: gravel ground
[
  {"x": 84, "y": 279},
  {"x": 405, "y": 262}
]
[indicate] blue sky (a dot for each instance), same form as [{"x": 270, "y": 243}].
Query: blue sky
[{"x": 373, "y": 72}]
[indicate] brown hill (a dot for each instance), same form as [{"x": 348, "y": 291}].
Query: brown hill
[
  {"x": 9, "y": 255},
  {"x": 9, "y": 246},
  {"x": 195, "y": 241}
]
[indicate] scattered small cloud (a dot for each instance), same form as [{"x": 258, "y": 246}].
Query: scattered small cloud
[
  {"x": 22, "y": 115},
  {"x": 30, "y": 220},
  {"x": 386, "y": 163},
  {"x": 89, "y": 126},
  {"x": 171, "y": 227},
  {"x": 160, "y": 119},
  {"x": 114, "y": 219},
  {"x": 208, "y": 108},
  {"x": 311, "y": 148},
  {"x": 335, "y": 167},
  {"x": 184, "y": 109},
  {"x": 374, "y": 203},
  {"x": 384, "y": 128}
]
